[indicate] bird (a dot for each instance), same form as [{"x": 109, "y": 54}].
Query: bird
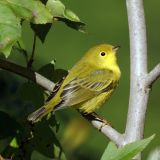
[{"x": 88, "y": 85}]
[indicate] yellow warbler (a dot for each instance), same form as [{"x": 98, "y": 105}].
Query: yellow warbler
[{"x": 88, "y": 84}]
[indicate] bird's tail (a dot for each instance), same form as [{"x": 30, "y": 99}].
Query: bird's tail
[{"x": 39, "y": 114}]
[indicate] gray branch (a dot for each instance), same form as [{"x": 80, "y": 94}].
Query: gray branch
[
  {"x": 48, "y": 85},
  {"x": 140, "y": 80},
  {"x": 138, "y": 58},
  {"x": 109, "y": 132},
  {"x": 153, "y": 76}
]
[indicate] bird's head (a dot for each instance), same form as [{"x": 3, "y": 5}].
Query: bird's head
[{"x": 103, "y": 55}]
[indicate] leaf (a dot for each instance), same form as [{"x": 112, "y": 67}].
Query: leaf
[
  {"x": 10, "y": 29},
  {"x": 71, "y": 15},
  {"x": 59, "y": 74},
  {"x": 41, "y": 30},
  {"x": 80, "y": 26},
  {"x": 26, "y": 92},
  {"x": 58, "y": 153},
  {"x": 38, "y": 156},
  {"x": 12, "y": 126},
  {"x": 127, "y": 152},
  {"x": 132, "y": 149},
  {"x": 22, "y": 9},
  {"x": 110, "y": 151},
  {"x": 56, "y": 7},
  {"x": 31, "y": 10},
  {"x": 14, "y": 143},
  {"x": 60, "y": 12},
  {"x": 47, "y": 70},
  {"x": 41, "y": 14}
]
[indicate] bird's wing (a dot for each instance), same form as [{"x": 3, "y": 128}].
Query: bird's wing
[{"x": 82, "y": 88}]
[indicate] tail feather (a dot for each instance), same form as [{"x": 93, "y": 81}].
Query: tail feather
[
  {"x": 43, "y": 111},
  {"x": 38, "y": 114}
]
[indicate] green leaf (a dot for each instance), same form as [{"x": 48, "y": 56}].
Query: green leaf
[
  {"x": 59, "y": 74},
  {"x": 41, "y": 14},
  {"x": 71, "y": 15},
  {"x": 10, "y": 29},
  {"x": 23, "y": 9},
  {"x": 38, "y": 156},
  {"x": 127, "y": 152},
  {"x": 58, "y": 153},
  {"x": 56, "y": 7},
  {"x": 41, "y": 30},
  {"x": 80, "y": 26},
  {"x": 26, "y": 92},
  {"x": 47, "y": 70},
  {"x": 31, "y": 10},
  {"x": 61, "y": 13},
  {"x": 13, "y": 126},
  {"x": 14, "y": 143},
  {"x": 110, "y": 151}
]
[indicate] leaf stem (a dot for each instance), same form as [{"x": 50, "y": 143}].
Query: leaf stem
[
  {"x": 31, "y": 60},
  {"x": 24, "y": 52}
]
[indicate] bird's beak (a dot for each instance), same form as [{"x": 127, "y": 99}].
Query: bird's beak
[{"x": 116, "y": 48}]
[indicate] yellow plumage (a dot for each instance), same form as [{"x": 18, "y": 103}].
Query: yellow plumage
[{"x": 88, "y": 84}]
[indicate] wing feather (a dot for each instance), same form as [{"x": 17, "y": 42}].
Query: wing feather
[{"x": 82, "y": 88}]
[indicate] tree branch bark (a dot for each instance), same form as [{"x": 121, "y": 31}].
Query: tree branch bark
[
  {"x": 139, "y": 93},
  {"x": 153, "y": 76},
  {"x": 107, "y": 130},
  {"x": 138, "y": 58},
  {"x": 29, "y": 74}
]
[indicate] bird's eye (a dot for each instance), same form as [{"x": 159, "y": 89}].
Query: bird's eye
[{"x": 103, "y": 53}]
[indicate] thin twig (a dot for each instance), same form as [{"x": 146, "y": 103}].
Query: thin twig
[
  {"x": 29, "y": 74},
  {"x": 31, "y": 60}
]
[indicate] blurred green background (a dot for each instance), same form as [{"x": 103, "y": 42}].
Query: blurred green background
[{"x": 106, "y": 23}]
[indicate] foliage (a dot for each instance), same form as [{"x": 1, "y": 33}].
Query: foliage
[
  {"x": 22, "y": 140},
  {"x": 14, "y": 12},
  {"x": 127, "y": 152}
]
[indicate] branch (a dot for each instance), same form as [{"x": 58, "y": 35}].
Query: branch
[
  {"x": 104, "y": 127},
  {"x": 31, "y": 60},
  {"x": 29, "y": 74},
  {"x": 138, "y": 57},
  {"x": 107, "y": 130},
  {"x": 153, "y": 76}
]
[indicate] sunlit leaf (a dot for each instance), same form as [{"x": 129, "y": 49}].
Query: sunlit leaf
[
  {"x": 14, "y": 143},
  {"x": 41, "y": 14},
  {"x": 110, "y": 151},
  {"x": 61, "y": 13},
  {"x": 127, "y": 152},
  {"x": 10, "y": 29},
  {"x": 56, "y": 7},
  {"x": 32, "y": 10}
]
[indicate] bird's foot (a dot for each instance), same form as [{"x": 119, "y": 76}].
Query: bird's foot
[{"x": 104, "y": 123}]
